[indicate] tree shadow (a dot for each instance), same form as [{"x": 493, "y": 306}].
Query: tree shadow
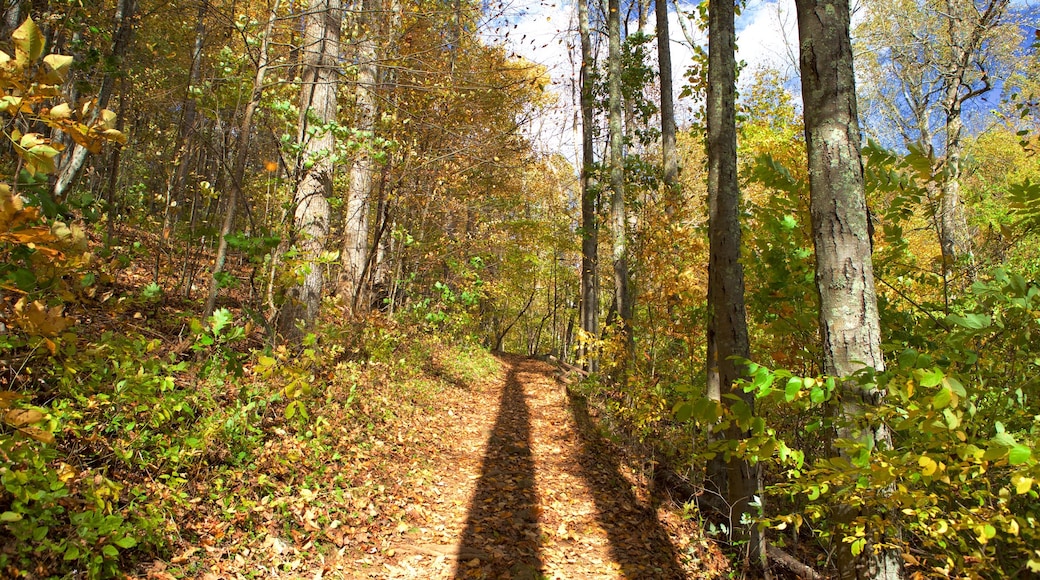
[
  {"x": 502, "y": 533},
  {"x": 638, "y": 541}
]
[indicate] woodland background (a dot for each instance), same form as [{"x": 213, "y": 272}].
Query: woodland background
[{"x": 232, "y": 225}]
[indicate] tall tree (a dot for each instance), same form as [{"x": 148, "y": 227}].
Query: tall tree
[
  {"x": 669, "y": 157},
  {"x": 618, "y": 217},
  {"x": 934, "y": 57},
  {"x": 318, "y": 105},
  {"x": 727, "y": 324},
  {"x": 362, "y": 170},
  {"x": 589, "y": 221},
  {"x": 849, "y": 323},
  {"x": 72, "y": 162},
  {"x": 187, "y": 127}
]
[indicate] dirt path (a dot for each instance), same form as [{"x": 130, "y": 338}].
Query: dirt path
[{"x": 522, "y": 487}]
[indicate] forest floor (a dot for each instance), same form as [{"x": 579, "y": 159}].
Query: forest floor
[
  {"x": 526, "y": 489},
  {"x": 507, "y": 477}
]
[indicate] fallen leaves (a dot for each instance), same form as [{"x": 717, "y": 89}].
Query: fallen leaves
[{"x": 395, "y": 501}]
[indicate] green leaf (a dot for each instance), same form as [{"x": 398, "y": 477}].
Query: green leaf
[
  {"x": 1005, "y": 439},
  {"x": 791, "y": 390},
  {"x": 152, "y": 290},
  {"x": 683, "y": 412},
  {"x": 741, "y": 412},
  {"x": 110, "y": 551},
  {"x": 706, "y": 411},
  {"x": 221, "y": 318},
  {"x": 1019, "y": 454},
  {"x": 10, "y": 517},
  {"x": 928, "y": 378},
  {"x": 970, "y": 321},
  {"x": 126, "y": 542},
  {"x": 941, "y": 400},
  {"x": 24, "y": 278},
  {"x": 955, "y": 386},
  {"x": 72, "y": 552},
  {"x": 816, "y": 395},
  {"x": 994, "y": 453}
]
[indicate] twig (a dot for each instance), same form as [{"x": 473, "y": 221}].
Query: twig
[{"x": 791, "y": 563}]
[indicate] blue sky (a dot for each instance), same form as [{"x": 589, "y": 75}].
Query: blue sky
[{"x": 545, "y": 33}]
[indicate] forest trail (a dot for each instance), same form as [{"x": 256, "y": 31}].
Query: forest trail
[{"x": 525, "y": 488}]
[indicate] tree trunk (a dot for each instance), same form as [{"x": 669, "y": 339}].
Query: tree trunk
[
  {"x": 72, "y": 164},
  {"x": 113, "y": 171},
  {"x": 589, "y": 223},
  {"x": 727, "y": 325},
  {"x": 321, "y": 36},
  {"x": 849, "y": 323},
  {"x": 618, "y": 216},
  {"x": 355, "y": 227},
  {"x": 953, "y": 227},
  {"x": 669, "y": 157},
  {"x": 238, "y": 170},
  {"x": 964, "y": 46},
  {"x": 12, "y": 17}
]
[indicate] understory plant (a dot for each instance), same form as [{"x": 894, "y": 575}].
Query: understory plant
[{"x": 957, "y": 493}]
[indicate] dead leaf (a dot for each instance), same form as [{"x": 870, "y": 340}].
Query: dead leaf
[{"x": 19, "y": 417}]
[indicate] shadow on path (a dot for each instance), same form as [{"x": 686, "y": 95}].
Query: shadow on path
[
  {"x": 502, "y": 533},
  {"x": 638, "y": 542}
]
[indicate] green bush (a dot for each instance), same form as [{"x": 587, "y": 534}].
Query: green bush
[{"x": 958, "y": 491}]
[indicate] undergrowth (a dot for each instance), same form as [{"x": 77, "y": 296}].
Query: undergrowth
[{"x": 154, "y": 452}]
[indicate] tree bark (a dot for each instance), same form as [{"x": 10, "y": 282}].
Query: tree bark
[
  {"x": 12, "y": 17},
  {"x": 954, "y": 239},
  {"x": 355, "y": 228},
  {"x": 589, "y": 222},
  {"x": 727, "y": 323},
  {"x": 669, "y": 157},
  {"x": 849, "y": 323},
  {"x": 113, "y": 172},
  {"x": 618, "y": 215},
  {"x": 320, "y": 66},
  {"x": 72, "y": 164}
]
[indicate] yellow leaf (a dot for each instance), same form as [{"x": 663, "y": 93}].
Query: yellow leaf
[
  {"x": 928, "y": 465},
  {"x": 66, "y": 472},
  {"x": 107, "y": 120},
  {"x": 114, "y": 135},
  {"x": 61, "y": 112},
  {"x": 36, "y": 319},
  {"x": 1022, "y": 483},
  {"x": 28, "y": 43},
  {"x": 57, "y": 67},
  {"x": 30, "y": 140}
]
